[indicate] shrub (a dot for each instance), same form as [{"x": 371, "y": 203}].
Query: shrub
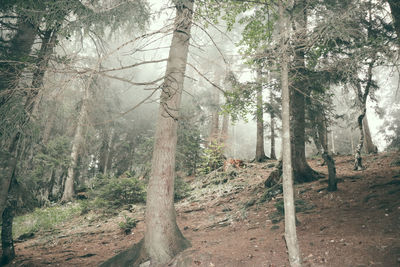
[
  {"x": 181, "y": 188},
  {"x": 128, "y": 224},
  {"x": 212, "y": 158},
  {"x": 118, "y": 192}
]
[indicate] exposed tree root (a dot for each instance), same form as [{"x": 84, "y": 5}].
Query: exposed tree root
[{"x": 133, "y": 256}]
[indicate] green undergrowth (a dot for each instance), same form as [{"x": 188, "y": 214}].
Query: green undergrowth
[{"x": 44, "y": 219}]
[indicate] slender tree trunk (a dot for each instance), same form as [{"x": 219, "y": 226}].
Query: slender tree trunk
[
  {"x": 215, "y": 118},
  {"x": 224, "y": 131},
  {"x": 7, "y": 163},
  {"x": 395, "y": 10},
  {"x": 49, "y": 124},
  {"x": 369, "y": 146},
  {"x": 351, "y": 141},
  {"x": 362, "y": 101},
  {"x": 10, "y": 72},
  {"x": 358, "y": 159},
  {"x": 273, "y": 155},
  {"x": 328, "y": 159},
  {"x": 272, "y": 118},
  {"x": 333, "y": 142},
  {"x": 7, "y": 243},
  {"x": 287, "y": 181},
  {"x": 16, "y": 58},
  {"x": 260, "y": 154},
  {"x": 8, "y": 208},
  {"x": 46, "y": 50},
  {"x": 69, "y": 191},
  {"x": 105, "y": 151},
  {"x": 163, "y": 239}
]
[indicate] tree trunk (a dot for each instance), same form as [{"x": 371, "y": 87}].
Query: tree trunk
[
  {"x": 224, "y": 131},
  {"x": 163, "y": 239},
  {"x": 46, "y": 50},
  {"x": 357, "y": 157},
  {"x": 49, "y": 123},
  {"x": 287, "y": 180},
  {"x": 362, "y": 102},
  {"x": 69, "y": 191},
  {"x": 260, "y": 154},
  {"x": 15, "y": 58},
  {"x": 301, "y": 170},
  {"x": 7, "y": 243},
  {"x": 369, "y": 146},
  {"x": 214, "y": 132},
  {"x": 395, "y": 10},
  {"x": 105, "y": 151},
  {"x": 7, "y": 163},
  {"x": 273, "y": 154},
  {"x": 328, "y": 159},
  {"x": 333, "y": 142}
]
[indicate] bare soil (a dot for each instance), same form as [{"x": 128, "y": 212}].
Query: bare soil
[{"x": 359, "y": 225}]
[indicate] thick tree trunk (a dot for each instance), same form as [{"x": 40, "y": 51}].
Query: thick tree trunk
[
  {"x": 369, "y": 146},
  {"x": 287, "y": 180},
  {"x": 301, "y": 170},
  {"x": 163, "y": 239},
  {"x": 69, "y": 191},
  {"x": 260, "y": 154}
]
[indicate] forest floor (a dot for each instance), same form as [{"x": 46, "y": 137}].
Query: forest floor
[{"x": 227, "y": 225}]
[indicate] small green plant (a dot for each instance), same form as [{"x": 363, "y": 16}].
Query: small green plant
[
  {"x": 213, "y": 158},
  {"x": 118, "y": 192},
  {"x": 181, "y": 188},
  {"x": 127, "y": 225}
]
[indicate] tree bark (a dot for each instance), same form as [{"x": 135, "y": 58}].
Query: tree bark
[
  {"x": 272, "y": 118},
  {"x": 395, "y": 10},
  {"x": 214, "y": 132},
  {"x": 16, "y": 58},
  {"x": 69, "y": 191},
  {"x": 287, "y": 180},
  {"x": 7, "y": 243},
  {"x": 105, "y": 151},
  {"x": 369, "y": 146},
  {"x": 163, "y": 239},
  {"x": 7, "y": 163},
  {"x": 49, "y": 41},
  {"x": 362, "y": 102},
  {"x": 357, "y": 157},
  {"x": 224, "y": 131},
  {"x": 301, "y": 170},
  {"x": 260, "y": 154}
]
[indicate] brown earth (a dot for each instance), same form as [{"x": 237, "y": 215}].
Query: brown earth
[{"x": 359, "y": 225}]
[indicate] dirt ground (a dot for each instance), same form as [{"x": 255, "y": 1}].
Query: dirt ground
[{"x": 359, "y": 225}]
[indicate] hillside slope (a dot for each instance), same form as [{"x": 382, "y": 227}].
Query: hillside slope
[{"x": 228, "y": 225}]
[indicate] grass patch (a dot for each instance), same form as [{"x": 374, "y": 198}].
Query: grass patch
[{"x": 44, "y": 219}]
